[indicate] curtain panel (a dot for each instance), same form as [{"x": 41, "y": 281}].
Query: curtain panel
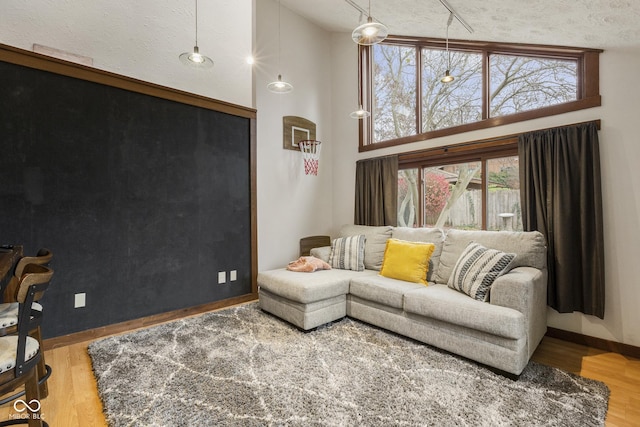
[
  {"x": 562, "y": 198},
  {"x": 377, "y": 191}
]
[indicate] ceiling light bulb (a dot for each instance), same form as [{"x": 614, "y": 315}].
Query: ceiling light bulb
[
  {"x": 196, "y": 57},
  {"x": 369, "y": 31}
]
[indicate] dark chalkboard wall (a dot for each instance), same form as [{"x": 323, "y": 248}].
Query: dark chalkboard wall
[{"x": 142, "y": 200}]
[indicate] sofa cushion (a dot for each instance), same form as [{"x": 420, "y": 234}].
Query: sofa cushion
[
  {"x": 443, "y": 303},
  {"x": 383, "y": 290},
  {"x": 305, "y": 287},
  {"x": 529, "y": 247},
  {"x": 376, "y": 240},
  {"x": 322, "y": 253},
  {"x": 407, "y": 261},
  {"x": 477, "y": 269},
  {"x": 427, "y": 235}
]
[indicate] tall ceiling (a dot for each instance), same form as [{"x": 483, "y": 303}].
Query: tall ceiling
[{"x": 580, "y": 23}]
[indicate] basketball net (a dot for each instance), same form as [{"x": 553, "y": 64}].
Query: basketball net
[{"x": 310, "y": 149}]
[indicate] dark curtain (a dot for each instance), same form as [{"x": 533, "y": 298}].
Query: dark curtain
[
  {"x": 377, "y": 191},
  {"x": 562, "y": 198}
]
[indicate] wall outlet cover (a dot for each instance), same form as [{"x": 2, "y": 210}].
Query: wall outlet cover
[{"x": 80, "y": 300}]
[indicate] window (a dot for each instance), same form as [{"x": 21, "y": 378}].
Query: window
[
  {"x": 495, "y": 84},
  {"x": 475, "y": 188},
  {"x": 394, "y": 93},
  {"x": 458, "y": 103},
  {"x": 522, "y": 84}
]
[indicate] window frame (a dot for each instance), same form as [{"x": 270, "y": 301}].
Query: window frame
[
  {"x": 588, "y": 85},
  {"x": 476, "y": 151}
]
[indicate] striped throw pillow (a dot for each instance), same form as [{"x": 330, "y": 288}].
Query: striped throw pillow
[
  {"x": 347, "y": 253},
  {"x": 477, "y": 269}
]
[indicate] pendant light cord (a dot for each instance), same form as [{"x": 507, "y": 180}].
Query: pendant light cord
[
  {"x": 196, "y": 22},
  {"x": 447, "y": 40},
  {"x": 279, "y": 38}
]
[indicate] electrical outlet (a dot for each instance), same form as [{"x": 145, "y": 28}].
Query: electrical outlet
[
  {"x": 222, "y": 277},
  {"x": 79, "y": 300},
  {"x": 233, "y": 275}
]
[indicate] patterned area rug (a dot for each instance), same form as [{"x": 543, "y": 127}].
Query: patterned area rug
[{"x": 243, "y": 367}]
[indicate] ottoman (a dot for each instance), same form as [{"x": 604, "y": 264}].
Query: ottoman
[{"x": 306, "y": 300}]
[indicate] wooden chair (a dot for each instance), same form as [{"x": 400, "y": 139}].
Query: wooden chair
[
  {"x": 20, "y": 353},
  {"x": 43, "y": 257},
  {"x": 308, "y": 243},
  {"x": 9, "y": 312}
]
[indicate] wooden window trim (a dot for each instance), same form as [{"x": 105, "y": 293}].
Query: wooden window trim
[{"x": 588, "y": 92}]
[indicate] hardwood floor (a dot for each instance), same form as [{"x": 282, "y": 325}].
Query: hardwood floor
[
  {"x": 73, "y": 397},
  {"x": 620, "y": 373}
]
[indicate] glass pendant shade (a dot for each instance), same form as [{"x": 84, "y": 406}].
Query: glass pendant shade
[
  {"x": 280, "y": 86},
  {"x": 196, "y": 59},
  {"x": 360, "y": 113},
  {"x": 370, "y": 33},
  {"x": 448, "y": 78}
]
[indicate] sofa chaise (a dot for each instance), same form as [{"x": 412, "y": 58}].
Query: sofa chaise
[{"x": 501, "y": 332}]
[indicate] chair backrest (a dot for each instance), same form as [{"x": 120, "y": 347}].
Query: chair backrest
[
  {"x": 33, "y": 282},
  {"x": 43, "y": 257}
]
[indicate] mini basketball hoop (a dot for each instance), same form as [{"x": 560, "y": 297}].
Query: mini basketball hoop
[{"x": 310, "y": 149}]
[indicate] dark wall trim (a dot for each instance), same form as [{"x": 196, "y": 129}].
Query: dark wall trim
[{"x": 599, "y": 343}]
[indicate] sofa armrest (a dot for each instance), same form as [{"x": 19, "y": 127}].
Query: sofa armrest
[
  {"x": 322, "y": 252},
  {"x": 524, "y": 289}
]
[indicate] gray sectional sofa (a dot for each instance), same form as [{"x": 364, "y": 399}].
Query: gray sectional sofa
[{"x": 501, "y": 333}]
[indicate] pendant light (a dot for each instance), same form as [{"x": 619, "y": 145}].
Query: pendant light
[
  {"x": 195, "y": 58},
  {"x": 360, "y": 113},
  {"x": 279, "y": 86},
  {"x": 370, "y": 32},
  {"x": 448, "y": 78}
]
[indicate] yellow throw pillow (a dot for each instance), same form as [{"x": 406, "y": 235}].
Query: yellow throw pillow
[{"x": 408, "y": 261}]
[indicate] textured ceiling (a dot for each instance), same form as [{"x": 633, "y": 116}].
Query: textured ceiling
[{"x": 580, "y": 23}]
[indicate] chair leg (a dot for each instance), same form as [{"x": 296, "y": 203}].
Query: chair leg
[
  {"x": 32, "y": 393},
  {"x": 42, "y": 369}
]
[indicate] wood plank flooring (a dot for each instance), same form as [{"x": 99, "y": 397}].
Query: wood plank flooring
[{"x": 73, "y": 397}]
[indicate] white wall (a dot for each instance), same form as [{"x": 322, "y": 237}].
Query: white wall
[
  {"x": 620, "y": 154},
  {"x": 291, "y": 204},
  {"x": 143, "y": 39}
]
